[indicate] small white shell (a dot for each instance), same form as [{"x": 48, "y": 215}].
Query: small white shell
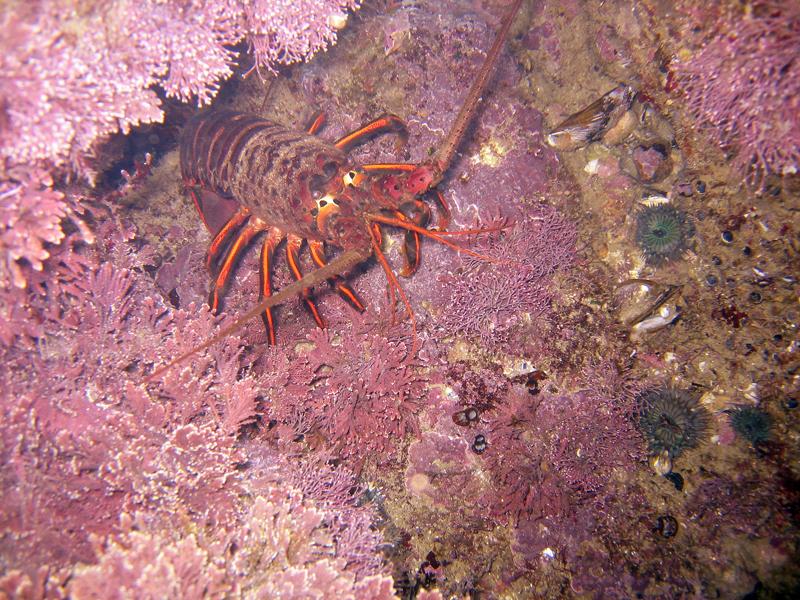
[
  {"x": 666, "y": 315},
  {"x": 337, "y": 20},
  {"x": 662, "y": 463},
  {"x": 652, "y": 197}
]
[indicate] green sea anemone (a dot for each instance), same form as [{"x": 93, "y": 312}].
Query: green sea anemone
[
  {"x": 662, "y": 232},
  {"x": 751, "y": 423},
  {"x": 671, "y": 420}
]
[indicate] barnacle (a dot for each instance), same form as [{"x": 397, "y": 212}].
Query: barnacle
[
  {"x": 671, "y": 420},
  {"x": 662, "y": 232}
]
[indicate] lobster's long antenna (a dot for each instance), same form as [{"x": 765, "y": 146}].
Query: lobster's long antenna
[
  {"x": 448, "y": 148},
  {"x": 341, "y": 263}
]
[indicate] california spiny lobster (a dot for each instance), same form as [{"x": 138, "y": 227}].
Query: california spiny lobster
[{"x": 297, "y": 187}]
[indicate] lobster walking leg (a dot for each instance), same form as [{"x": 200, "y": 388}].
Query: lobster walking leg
[
  {"x": 274, "y": 237},
  {"x": 218, "y": 243},
  {"x": 444, "y": 218},
  {"x": 317, "y": 250},
  {"x": 411, "y": 244},
  {"x": 251, "y": 229},
  {"x": 383, "y": 124},
  {"x": 293, "y": 243}
]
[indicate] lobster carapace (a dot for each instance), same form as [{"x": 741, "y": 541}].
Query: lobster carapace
[{"x": 249, "y": 176}]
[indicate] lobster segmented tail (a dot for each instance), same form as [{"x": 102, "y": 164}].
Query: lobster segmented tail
[{"x": 210, "y": 144}]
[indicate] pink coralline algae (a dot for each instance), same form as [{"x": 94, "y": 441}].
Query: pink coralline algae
[
  {"x": 109, "y": 478},
  {"x": 488, "y": 301},
  {"x": 57, "y": 98},
  {"x": 743, "y": 85},
  {"x": 358, "y": 389},
  {"x": 31, "y": 212},
  {"x": 282, "y": 548},
  {"x": 117, "y": 480},
  {"x": 547, "y": 456},
  {"x": 442, "y": 469},
  {"x": 548, "y": 452}
]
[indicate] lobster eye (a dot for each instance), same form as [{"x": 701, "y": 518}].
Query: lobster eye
[
  {"x": 330, "y": 169},
  {"x": 316, "y": 186}
]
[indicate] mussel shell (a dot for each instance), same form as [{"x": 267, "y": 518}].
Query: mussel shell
[
  {"x": 664, "y": 315},
  {"x": 635, "y": 300},
  {"x": 590, "y": 123}
]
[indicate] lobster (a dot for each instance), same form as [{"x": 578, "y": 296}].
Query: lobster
[{"x": 249, "y": 176}]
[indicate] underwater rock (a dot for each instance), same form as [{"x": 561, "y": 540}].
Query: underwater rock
[
  {"x": 652, "y": 162},
  {"x": 614, "y": 52},
  {"x": 592, "y": 122}
]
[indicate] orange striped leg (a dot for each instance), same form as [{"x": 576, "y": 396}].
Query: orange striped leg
[
  {"x": 317, "y": 250},
  {"x": 411, "y": 243},
  {"x": 190, "y": 187},
  {"x": 316, "y": 123},
  {"x": 218, "y": 244},
  {"x": 393, "y": 284},
  {"x": 293, "y": 243},
  {"x": 377, "y": 167},
  {"x": 239, "y": 243},
  {"x": 377, "y": 240},
  {"x": 274, "y": 237},
  {"x": 383, "y": 124},
  {"x": 444, "y": 218}
]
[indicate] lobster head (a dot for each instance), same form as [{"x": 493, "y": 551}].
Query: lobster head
[{"x": 342, "y": 206}]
